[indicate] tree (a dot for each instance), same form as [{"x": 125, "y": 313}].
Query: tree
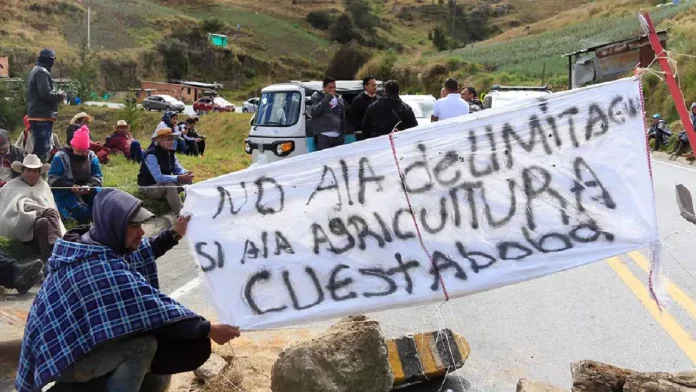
[
  {"x": 176, "y": 60},
  {"x": 319, "y": 19},
  {"x": 14, "y": 104},
  {"x": 439, "y": 38},
  {"x": 130, "y": 112},
  {"x": 85, "y": 74},
  {"x": 343, "y": 29}
]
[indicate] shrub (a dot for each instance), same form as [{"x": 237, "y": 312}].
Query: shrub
[
  {"x": 213, "y": 25},
  {"x": 439, "y": 38},
  {"x": 361, "y": 11},
  {"x": 321, "y": 20},
  {"x": 347, "y": 61}
]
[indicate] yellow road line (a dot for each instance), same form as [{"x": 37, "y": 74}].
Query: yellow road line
[
  {"x": 673, "y": 290},
  {"x": 670, "y": 325}
]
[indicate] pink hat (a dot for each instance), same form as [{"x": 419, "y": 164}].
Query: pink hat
[{"x": 81, "y": 138}]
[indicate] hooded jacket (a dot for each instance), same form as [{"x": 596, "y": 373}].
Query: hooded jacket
[
  {"x": 324, "y": 117},
  {"x": 693, "y": 115},
  {"x": 383, "y": 115},
  {"x": 42, "y": 98},
  {"x": 97, "y": 290}
]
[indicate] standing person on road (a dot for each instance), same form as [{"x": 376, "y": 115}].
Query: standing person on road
[
  {"x": 387, "y": 113},
  {"x": 42, "y": 103},
  {"x": 359, "y": 106},
  {"x": 329, "y": 116},
  {"x": 100, "y": 322},
  {"x": 450, "y": 106},
  {"x": 470, "y": 96},
  {"x": 76, "y": 178},
  {"x": 161, "y": 175}
]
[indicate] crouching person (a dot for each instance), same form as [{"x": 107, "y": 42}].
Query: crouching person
[
  {"x": 29, "y": 212},
  {"x": 99, "y": 321},
  {"x": 161, "y": 176}
]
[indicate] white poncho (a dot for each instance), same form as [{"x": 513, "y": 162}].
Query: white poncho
[{"x": 18, "y": 216}]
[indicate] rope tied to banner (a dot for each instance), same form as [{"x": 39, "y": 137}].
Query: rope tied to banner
[{"x": 413, "y": 215}]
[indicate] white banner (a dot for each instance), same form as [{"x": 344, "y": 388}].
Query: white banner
[{"x": 498, "y": 197}]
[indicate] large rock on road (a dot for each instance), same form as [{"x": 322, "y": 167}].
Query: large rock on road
[{"x": 349, "y": 357}]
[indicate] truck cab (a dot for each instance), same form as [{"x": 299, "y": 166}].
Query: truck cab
[
  {"x": 281, "y": 127},
  {"x": 507, "y": 96}
]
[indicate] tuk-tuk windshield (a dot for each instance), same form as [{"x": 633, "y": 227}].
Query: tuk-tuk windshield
[{"x": 279, "y": 109}]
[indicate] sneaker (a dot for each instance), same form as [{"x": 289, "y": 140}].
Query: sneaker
[{"x": 27, "y": 275}]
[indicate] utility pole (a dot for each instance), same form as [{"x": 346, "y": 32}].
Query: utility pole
[
  {"x": 454, "y": 18},
  {"x": 89, "y": 33}
]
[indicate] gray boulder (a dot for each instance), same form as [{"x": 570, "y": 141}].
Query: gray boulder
[
  {"x": 211, "y": 368},
  {"x": 351, "y": 356}
]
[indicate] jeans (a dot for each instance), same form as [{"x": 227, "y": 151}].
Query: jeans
[
  {"x": 42, "y": 131},
  {"x": 136, "y": 151},
  {"x": 127, "y": 359},
  {"x": 324, "y": 142}
]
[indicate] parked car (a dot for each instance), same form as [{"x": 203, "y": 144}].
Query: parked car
[
  {"x": 220, "y": 104},
  {"x": 163, "y": 102},
  {"x": 210, "y": 104},
  {"x": 507, "y": 96},
  {"x": 422, "y": 106},
  {"x": 250, "y": 105}
]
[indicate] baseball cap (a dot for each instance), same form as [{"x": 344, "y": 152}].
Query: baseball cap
[{"x": 141, "y": 215}]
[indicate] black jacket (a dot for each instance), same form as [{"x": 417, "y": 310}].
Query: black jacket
[
  {"x": 42, "y": 98},
  {"x": 358, "y": 108},
  {"x": 383, "y": 115}
]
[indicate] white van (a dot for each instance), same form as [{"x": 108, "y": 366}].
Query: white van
[
  {"x": 281, "y": 128},
  {"x": 505, "y": 96}
]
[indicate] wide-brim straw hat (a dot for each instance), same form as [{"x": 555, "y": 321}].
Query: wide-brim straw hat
[
  {"x": 79, "y": 116},
  {"x": 31, "y": 161},
  {"x": 162, "y": 132}
]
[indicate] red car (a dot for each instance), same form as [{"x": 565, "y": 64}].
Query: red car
[{"x": 217, "y": 104}]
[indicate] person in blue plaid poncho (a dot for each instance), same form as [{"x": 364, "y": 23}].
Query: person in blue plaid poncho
[{"x": 99, "y": 321}]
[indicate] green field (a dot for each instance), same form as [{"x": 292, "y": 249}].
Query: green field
[
  {"x": 278, "y": 36},
  {"x": 527, "y": 55}
]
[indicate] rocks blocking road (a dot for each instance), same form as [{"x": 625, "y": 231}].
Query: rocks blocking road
[{"x": 351, "y": 356}]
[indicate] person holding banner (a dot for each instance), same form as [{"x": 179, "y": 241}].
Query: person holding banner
[
  {"x": 161, "y": 175},
  {"x": 100, "y": 322}
]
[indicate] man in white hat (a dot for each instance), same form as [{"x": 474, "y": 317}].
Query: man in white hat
[
  {"x": 29, "y": 212},
  {"x": 122, "y": 141},
  {"x": 161, "y": 175},
  {"x": 76, "y": 123}
]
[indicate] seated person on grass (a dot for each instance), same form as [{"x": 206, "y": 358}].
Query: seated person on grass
[
  {"x": 100, "y": 322},
  {"x": 75, "y": 177},
  {"x": 122, "y": 141},
  {"x": 83, "y": 119},
  {"x": 28, "y": 210},
  {"x": 8, "y": 154},
  {"x": 194, "y": 141},
  {"x": 161, "y": 175},
  {"x": 19, "y": 276}
]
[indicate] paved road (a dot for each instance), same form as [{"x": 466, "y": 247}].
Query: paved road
[
  {"x": 536, "y": 329},
  {"x": 188, "y": 110}
]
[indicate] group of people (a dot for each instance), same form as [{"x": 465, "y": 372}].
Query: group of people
[
  {"x": 660, "y": 133},
  {"x": 124, "y": 334},
  {"x": 372, "y": 115}
]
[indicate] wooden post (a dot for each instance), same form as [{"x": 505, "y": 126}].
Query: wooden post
[{"x": 677, "y": 96}]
